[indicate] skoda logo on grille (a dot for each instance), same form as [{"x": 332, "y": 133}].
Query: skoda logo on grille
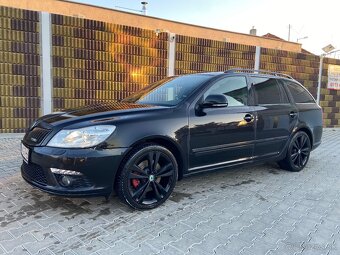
[{"x": 34, "y": 139}]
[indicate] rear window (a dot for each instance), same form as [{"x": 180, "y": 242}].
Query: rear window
[{"x": 299, "y": 93}]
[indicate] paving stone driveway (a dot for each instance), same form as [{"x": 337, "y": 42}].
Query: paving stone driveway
[{"x": 249, "y": 210}]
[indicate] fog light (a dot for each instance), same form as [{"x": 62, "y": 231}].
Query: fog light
[
  {"x": 66, "y": 181},
  {"x": 64, "y": 172}
]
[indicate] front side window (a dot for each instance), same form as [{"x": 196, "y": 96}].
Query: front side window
[
  {"x": 234, "y": 88},
  {"x": 268, "y": 91},
  {"x": 299, "y": 94},
  {"x": 168, "y": 92}
]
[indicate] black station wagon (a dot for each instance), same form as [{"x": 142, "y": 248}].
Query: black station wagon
[{"x": 178, "y": 126}]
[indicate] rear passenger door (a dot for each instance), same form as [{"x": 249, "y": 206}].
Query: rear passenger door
[{"x": 276, "y": 117}]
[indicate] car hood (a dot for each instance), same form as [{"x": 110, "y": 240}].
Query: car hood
[{"x": 95, "y": 112}]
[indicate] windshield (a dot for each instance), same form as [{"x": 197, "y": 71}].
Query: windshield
[{"x": 169, "y": 91}]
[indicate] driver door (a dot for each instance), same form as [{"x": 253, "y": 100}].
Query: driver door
[{"x": 221, "y": 136}]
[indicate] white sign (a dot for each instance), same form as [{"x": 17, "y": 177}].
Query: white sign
[{"x": 333, "y": 77}]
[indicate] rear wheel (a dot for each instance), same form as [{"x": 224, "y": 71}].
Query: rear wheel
[
  {"x": 148, "y": 177},
  {"x": 298, "y": 153}
]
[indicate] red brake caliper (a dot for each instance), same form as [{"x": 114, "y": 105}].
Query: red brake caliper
[{"x": 135, "y": 183}]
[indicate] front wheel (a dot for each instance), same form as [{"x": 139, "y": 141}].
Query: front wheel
[
  {"x": 148, "y": 177},
  {"x": 298, "y": 153}
]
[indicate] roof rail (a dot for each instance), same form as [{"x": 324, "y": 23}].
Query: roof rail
[{"x": 236, "y": 70}]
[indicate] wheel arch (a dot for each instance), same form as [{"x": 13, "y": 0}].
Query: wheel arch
[
  {"x": 295, "y": 130},
  {"x": 307, "y": 131},
  {"x": 166, "y": 142}
]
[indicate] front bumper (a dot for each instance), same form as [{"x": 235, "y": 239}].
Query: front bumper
[{"x": 96, "y": 167}]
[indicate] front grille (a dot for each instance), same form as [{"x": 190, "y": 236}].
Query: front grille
[
  {"x": 35, "y": 173},
  {"x": 36, "y": 135},
  {"x": 78, "y": 181}
]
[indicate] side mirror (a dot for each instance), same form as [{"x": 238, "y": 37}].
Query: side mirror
[{"x": 215, "y": 101}]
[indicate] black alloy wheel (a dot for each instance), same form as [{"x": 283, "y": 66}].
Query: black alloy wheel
[
  {"x": 148, "y": 177},
  {"x": 298, "y": 152}
]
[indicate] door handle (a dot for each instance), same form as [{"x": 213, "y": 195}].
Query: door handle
[
  {"x": 248, "y": 117},
  {"x": 293, "y": 114}
]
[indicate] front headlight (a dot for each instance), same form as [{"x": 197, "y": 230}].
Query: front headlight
[{"x": 82, "y": 137}]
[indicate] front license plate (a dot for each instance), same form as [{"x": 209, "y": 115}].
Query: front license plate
[{"x": 24, "y": 152}]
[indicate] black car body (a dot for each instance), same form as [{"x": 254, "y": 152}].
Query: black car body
[{"x": 197, "y": 123}]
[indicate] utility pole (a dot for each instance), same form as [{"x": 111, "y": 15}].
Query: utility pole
[{"x": 289, "y": 27}]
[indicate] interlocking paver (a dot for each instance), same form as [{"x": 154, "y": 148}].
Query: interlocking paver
[
  {"x": 45, "y": 252},
  {"x": 5, "y": 235},
  {"x": 10, "y": 245},
  {"x": 114, "y": 237},
  {"x": 258, "y": 247},
  {"x": 35, "y": 247},
  {"x": 91, "y": 247},
  {"x": 234, "y": 246},
  {"x": 118, "y": 248},
  {"x": 44, "y": 232},
  {"x": 170, "y": 250},
  {"x": 185, "y": 242},
  {"x": 71, "y": 244},
  {"x": 144, "y": 248},
  {"x": 18, "y": 251},
  {"x": 24, "y": 229},
  {"x": 248, "y": 210},
  {"x": 285, "y": 249},
  {"x": 209, "y": 243}
]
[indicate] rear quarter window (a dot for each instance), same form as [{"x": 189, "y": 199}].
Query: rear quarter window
[{"x": 299, "y": 93}]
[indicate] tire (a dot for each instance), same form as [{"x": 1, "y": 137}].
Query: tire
[
  {"x": 144, "y": 187},
  {"x": 298, "y": 153}
]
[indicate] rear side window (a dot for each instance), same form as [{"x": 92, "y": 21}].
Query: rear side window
[
  {"x": 299, "y": 93},
  {"x": 268, "y": 91}
]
